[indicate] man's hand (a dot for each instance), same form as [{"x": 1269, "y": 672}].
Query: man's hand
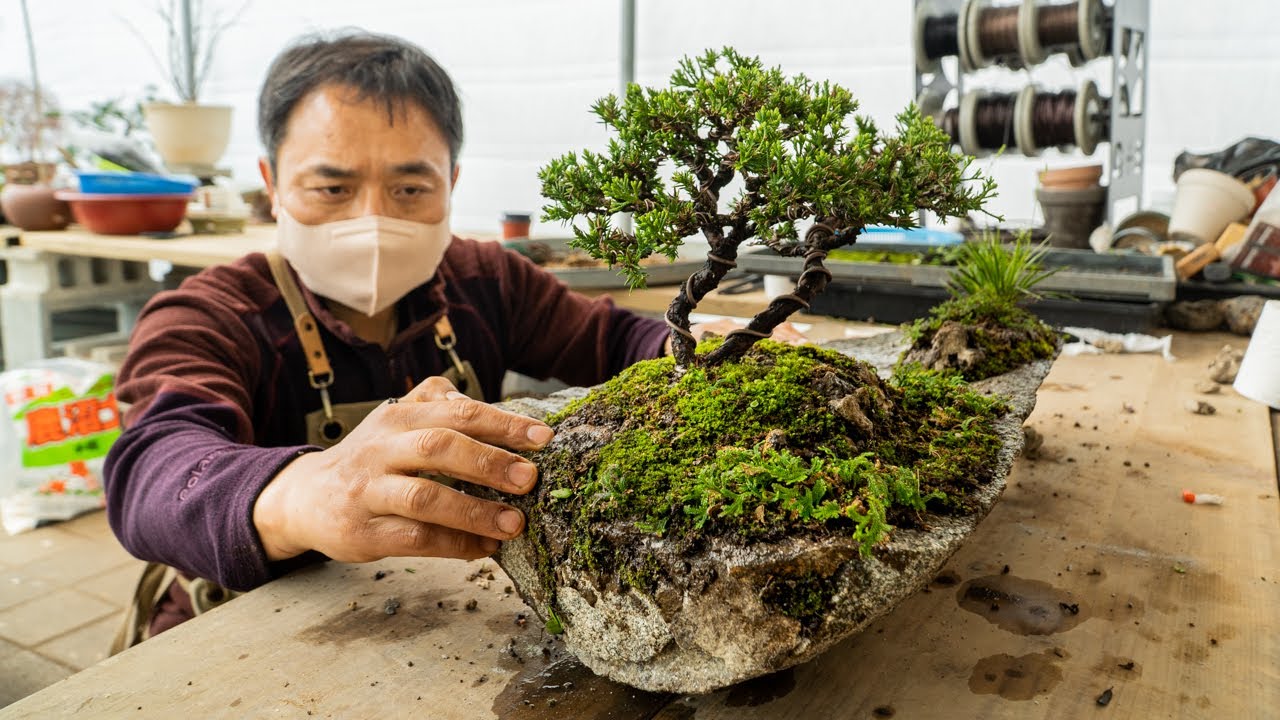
[{"x": 362, "y": 499}]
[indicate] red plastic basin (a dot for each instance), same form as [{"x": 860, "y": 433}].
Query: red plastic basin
[{"x": 126, "y": 214}]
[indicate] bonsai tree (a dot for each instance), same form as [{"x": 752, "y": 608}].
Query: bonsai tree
[
  {"x": 984, "y": 330},
  {"x": 799, "y": 154}
]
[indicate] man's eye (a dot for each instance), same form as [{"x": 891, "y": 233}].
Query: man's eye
[
  {"x": 334, "y": 190},
  {"x": 413, "y": 191}
]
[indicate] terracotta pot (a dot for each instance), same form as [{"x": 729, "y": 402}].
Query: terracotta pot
[
  {"x": 515, "y": 225},
  {"x": 33, "y": 207},
  {"x": 189, "y": 135}
]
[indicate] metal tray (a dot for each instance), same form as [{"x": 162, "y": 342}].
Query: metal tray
[
  {"x": 1084, "y": 273},
  {"x": 605, "y": 277}
]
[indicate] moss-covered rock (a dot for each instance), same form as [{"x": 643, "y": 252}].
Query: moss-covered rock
[
  {"x": 979, "y": 339},
  {"x": 786, "y": 440}
]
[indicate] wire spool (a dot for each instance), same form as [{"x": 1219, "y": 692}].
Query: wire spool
[
  {"x": 967, "y": 35},
  {"x": 937, "y": 36},
  {"x": 1062, "y": 119},
  {"x": 986, "y": 122},
  {"x": 1088, "y": 118},
  {"x": 1025, "y": 34},
  {"x": 949, "y": 121}
]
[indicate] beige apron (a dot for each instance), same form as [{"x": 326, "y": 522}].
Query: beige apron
[{"x": 326, "y": 427}]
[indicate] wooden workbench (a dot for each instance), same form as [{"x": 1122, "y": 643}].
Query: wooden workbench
[
  {"x": 186, "y": 250},
  {"x": 1177, "y": 604}
]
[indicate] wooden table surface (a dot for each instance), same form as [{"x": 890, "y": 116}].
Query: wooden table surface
[
  {"x": 1177, "y": 604},
  {"x": 185, "y": 250}
]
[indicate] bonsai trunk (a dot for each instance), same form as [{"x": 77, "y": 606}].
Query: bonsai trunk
[{"x": 820, "y": 239}]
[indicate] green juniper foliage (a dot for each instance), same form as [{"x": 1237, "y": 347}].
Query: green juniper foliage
[{"x": 800, "y": 155}]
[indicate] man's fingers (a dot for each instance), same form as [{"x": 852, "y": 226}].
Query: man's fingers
[
  {"x": 391, "y": 536},
  {"x": 430, "y": 502},
  {"x": 481, "y": 421},
  {"x": 444, "y": 451},
  {"x": 431, "y": 389}
]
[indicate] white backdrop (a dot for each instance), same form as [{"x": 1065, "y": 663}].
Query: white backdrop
[{"x": 529, "y": 69}]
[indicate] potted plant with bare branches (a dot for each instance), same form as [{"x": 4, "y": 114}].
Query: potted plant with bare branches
[{"x": 189, "y": 135}]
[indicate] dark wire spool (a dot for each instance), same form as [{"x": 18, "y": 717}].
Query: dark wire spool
[
  {"x": 950, "y": 125},
  {"x": 1053, "y": 119},
  {"x": 993, "y": 121},
  {"x": 940, "y": 36},
  {"x": 1058, "y": 25},
  {"x": 998, "y": 31}
]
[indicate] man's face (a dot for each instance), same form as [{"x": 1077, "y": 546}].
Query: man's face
[{"x": 343, "y": 158}]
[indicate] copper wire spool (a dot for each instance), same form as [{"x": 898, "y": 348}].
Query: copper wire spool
[
  {"x": 1053, "y": 119},
  {"x": 1058, "y": 26},
  {"x": 993, "y": 118},
  {"x": 998, "y": 31}
]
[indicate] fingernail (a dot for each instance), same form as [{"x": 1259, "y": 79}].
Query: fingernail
[
  {"x": 540, "y": 434},
  {"x": 521, "y": 475},
  {"x": 509, "y": 522},
  {"x": 490, "y": 546},
  {"x": 454, "y": 395}
]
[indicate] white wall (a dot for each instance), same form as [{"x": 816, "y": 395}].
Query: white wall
[{"x": 529, "y": 69}]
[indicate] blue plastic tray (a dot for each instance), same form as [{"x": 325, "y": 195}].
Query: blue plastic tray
[{"x": 133, "y": 183}]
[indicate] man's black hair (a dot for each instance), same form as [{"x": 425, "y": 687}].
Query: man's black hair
[{"x": 379, "y": 67}]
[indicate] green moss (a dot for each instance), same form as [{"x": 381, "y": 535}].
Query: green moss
[
  {"x": 1008, "y": 335},
  {"x": 753, "y": 449},
  {"x": 805, "y": 598}
]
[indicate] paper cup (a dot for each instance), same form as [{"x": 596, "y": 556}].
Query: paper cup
[{"x": 1259, "y": 375}]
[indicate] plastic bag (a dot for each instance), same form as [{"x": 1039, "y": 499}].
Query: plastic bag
[
  {"x": 1246, "y": 159},
  {"x": 60, "y": 420},
  {"x": 1093, "y": 342}
]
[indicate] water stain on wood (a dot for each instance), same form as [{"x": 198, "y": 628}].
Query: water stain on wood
[
  {"x": 370, "y": 622},
  {"x": 1016, "y": 678},
  {"x": 945, "y": 579},
  {"x": 548, "y": 687},
  {"x": 761, "y": 690},
  {"x": 1020, "y": 606}
]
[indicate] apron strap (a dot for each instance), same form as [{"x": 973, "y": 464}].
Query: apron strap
[{"x": 318, "y": 369}]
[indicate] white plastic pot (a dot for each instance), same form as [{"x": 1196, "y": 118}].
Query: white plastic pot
[
  {"x": 1207, "y": 201},
  {"x": 189, "y": 135}
]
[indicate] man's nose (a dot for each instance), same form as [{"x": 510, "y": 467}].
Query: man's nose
[{"x": 372, "y": 201}]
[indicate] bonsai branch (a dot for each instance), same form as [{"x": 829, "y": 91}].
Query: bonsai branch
[{"x": 820, "y": 239}]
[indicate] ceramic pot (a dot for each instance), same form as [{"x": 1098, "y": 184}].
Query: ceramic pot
[
  {"x": 189, "y": 135},
  {"x": 33, "y": 207},
  {"x": 1207, "y": 202}
]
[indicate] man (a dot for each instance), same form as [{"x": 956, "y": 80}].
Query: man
[{"x": 245, "y": 453}]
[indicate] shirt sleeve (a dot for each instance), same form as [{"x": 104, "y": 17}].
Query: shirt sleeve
[
  {"x": 182, "y": 479},
  {"x": 555, "y": 332}
]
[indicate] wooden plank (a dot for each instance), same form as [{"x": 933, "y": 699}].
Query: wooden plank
[
  {"x": 188, "y": 250},
  {"x": 1187, "y": 593}
]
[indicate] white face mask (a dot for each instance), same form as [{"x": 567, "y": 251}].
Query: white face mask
[{"x": 366, "y": 263}]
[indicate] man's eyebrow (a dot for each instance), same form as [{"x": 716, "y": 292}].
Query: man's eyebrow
[
  {"x": 414, "y": 168},
  {"x": 332, "y": 171}
]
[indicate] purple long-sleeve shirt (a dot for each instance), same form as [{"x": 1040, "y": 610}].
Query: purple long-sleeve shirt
[{"x": 218, "y": 389}]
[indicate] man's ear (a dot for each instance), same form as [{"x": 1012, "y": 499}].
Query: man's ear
[
  {"x": 264, "y": 167},
  {"x": 453, "y": 182}
]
